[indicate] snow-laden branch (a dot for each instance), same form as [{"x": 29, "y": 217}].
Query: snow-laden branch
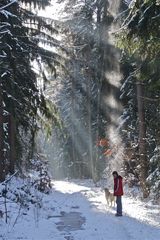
[
  {"x": 9, "y": 4},
  {"x": 10, "y": 177},
  {"x": 7, "y": 13}
]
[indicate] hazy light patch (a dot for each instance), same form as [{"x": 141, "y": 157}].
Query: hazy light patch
[
  {"x": 68, "y": 187},
  {"x": 80, "y": 134},
  {"x": 117, "y": 160},
  {"x": 115, "y": 107},
  {"x": 111, "y": 101},
  {"x": 114, "y": 7},
  {"x": 113, "y": 135},
  {"x": 54, "y": 11},
  {"x": 114, "y": 78}
]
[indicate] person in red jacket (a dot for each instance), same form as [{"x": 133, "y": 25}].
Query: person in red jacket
[{"x": 118, "y": 192}]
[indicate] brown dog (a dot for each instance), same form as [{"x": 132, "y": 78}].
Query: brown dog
[{"x": 109, "y": 197}]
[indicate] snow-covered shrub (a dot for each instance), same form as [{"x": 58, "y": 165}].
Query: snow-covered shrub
[
  {"x": 41, "y": 180},
  {"x": 154, "y": 177},
  {"x": 26, "y": 190}
]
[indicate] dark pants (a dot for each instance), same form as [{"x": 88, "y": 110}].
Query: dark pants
[{"x": 119, "y": 205}]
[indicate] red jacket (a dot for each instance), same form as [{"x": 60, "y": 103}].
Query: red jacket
[{"x": 118, "y": 186}]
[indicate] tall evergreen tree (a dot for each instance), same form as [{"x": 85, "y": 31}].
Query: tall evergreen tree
[
  {"x": 139, "y": 38},
  {"x": 21, "y": 96}
]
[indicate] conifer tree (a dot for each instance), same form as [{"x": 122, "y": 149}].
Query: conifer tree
[
  {"x": 139, "y": 39},
  {"x": 22, "y": 100}
]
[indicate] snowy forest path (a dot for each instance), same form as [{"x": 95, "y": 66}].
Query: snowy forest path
[
  {"x": 95, "y": 220},
  {"x": 77, "y": 210}
]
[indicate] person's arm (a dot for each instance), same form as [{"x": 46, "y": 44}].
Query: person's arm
[{"x": 117, "y": 187}]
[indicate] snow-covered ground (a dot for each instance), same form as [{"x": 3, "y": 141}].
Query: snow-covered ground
[{"x": 77, "y": 210}]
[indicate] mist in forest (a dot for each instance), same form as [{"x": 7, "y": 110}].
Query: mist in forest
[{"x": 87, "y": 99}]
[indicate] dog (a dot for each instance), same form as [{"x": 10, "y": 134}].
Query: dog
[{"x": 109, "y": 197}]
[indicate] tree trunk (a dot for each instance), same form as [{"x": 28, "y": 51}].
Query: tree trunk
[
  {"x": 2, "y": 174},
  {"x": 12, "y": 144},
  {"x": 90, "y": 141},
  {"x": 73, "y": 124},
  {"x": 100, "y": 79},
  {"x": 142, "y": 139}
]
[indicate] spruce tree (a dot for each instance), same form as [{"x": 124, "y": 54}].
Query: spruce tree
[
  {"x": 139, "y": 38},
  {"x": 22, "y": 99}
]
